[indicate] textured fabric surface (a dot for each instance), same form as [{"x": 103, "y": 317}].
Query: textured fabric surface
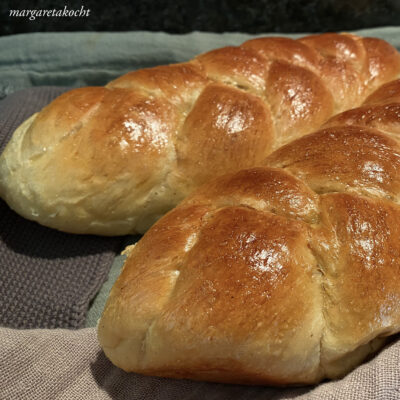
[
  {"x": 97, "y": 306},
  {"x": 65, "y": 364},
  {"x": 48, "y": 278},
  {"x": 94, "y": 58}
]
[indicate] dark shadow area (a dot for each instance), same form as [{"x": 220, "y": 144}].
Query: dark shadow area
[
  {"x": 34, "y": 240},
  {"x": 48, "y": 278},
  {"x": 181, "y": 16}
]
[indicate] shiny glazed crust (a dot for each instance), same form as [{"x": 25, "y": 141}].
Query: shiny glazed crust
[
  {"x": 287, "y": 273},
  {"x": 112, "y": 160}
]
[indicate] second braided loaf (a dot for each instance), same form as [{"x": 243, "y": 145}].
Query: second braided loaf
[
  {"x": 112, "y": 160},
  {"x": 287, "y": 273}
]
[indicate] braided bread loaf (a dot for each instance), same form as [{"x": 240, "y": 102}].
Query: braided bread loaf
[
  {"x": 111, "y": 160},
  {"x": 286, "y": 273}
]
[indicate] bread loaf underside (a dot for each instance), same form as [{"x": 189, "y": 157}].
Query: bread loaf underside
[
  {"x": 111, "y": 160},
  {"x": 286, "y": 273}
]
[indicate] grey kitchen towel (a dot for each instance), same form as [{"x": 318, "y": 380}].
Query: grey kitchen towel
[
  {"x": 65, "y": 364},
  {"x": 47, "y": 278},
  {"x": 95, "y": 58}
]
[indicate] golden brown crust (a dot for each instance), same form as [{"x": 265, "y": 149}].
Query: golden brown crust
[
  {"x": 254, "y": 293},
  {"x": 113, "y": 160},
  {"x": 101, "y": 174},
  {"x": 299, "y": 101},
  {"x": 384, "y": 117},
  {"x": 178, "y": 83},
  {"x": 342, "y": 65},
  {"x": 289, "y": 274},
  {"x": 344, "y": 47},
  {"x": 237, "y": 66},
  {"x": 383, "y": 62},
  {"x": 232, "y": 259},
  {"x": 344, "y": 158},
  {"x": 236, "y": 134},
  {"x": 272, "y": 189},
  {"x": 286, "y": 50},
  {"x": 386, "y": 94}
]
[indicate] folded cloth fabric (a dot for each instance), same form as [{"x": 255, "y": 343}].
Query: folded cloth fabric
[
  {"x": 48, "y": 278},
  {"x": 95, "y": 58},
  {"x": 67, "y": 364}
]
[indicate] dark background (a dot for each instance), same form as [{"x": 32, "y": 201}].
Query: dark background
[{"x": 180, "y": 16}]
